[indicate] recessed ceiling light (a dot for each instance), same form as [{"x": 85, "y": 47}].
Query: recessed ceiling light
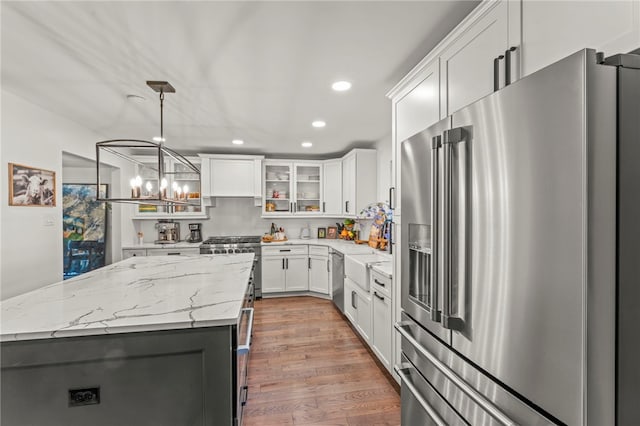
[
  {"x": 306, "y": 144},
  {"x": 158, "y": 139},
  {"x": 341, "y": 86},
  {"x": 237, "y": 141},
  {"x": 318, "y": 123}
]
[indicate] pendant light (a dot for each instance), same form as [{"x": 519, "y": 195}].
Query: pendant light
[{"x": 144, "y": 164}]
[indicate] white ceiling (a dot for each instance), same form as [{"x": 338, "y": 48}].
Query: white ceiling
[{"x": 258, "y": 71}]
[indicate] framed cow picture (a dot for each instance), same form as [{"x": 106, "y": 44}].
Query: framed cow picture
[{"x": 29, "y": 186}]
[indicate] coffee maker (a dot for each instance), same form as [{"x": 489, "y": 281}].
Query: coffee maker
[
  {"x": 195, "y": 235},
  {"x": 168, "y": 232}
]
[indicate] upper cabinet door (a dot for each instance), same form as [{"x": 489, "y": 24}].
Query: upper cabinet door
[
  {"x": 332, "y": 187},
  {"x": 232, "y": 178},
  {"x": 420, "y": 107},
  {"x": 349, "y": 184},
  {"x": 467, "y": 64},
  {"x": 307, "y": 188},
  {"x": 608, "y": 26},
  {"x": 278, "y": 177}
]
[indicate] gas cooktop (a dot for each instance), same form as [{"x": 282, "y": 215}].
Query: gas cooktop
[{"x": 212, "y": 241}]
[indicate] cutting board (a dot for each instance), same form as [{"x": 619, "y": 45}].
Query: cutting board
[{"x": 374, "y": 236}]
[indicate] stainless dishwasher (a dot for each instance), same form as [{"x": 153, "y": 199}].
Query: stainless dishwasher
[{"x": 337, "y": 279}]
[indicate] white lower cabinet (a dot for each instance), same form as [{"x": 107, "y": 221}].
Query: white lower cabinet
[
  {"x": 285, "y": 268},
  {"x": 296, "y": 273},
  {"x": 184, "y": 251},
  {"x": 319, "y": 274},
  {"x": 357, "y": 308},
  {"x": 127, "y": 253},
  {"x": 381, "y": 335},
  {"x": 273, "y": 274}
]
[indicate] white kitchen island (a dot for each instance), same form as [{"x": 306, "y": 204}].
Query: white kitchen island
[{"x": 149, "y": 340}]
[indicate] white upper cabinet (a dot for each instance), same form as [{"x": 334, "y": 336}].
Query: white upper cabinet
[
  {"x": 231, "y": 175},
  {"x": 292, "y": 188},
  {"x": 332, "y": 187},
  {"x": 359, "y": 180},
  {"x": 552, "y": 30},
  {"x": 307, "y": 186},
  {"x": 470, "y": 65},
  {"x": 349, "y": 184},
  {"x": 177, "y": 174},
  {"x": 419, "y": 107}
]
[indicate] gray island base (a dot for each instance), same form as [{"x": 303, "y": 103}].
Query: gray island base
[{"x": 181, "y": 368}]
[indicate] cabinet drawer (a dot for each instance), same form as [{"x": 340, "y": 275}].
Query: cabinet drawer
[
  {"x": 284, "y": 250},
  {"x": 381, "y": 283},
  {"x": 127, "y": 253},
  {"x": 319, "y": 250},
  {"x": 175, "y": 251}
]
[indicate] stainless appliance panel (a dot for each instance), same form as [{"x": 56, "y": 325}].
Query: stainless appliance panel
[
  {"x": 337, "y": 279},
  {"x": 421, "y": 287},
  {"x": 421, "y": 405},
  {"x": 628, "y": 247},
  {"x": 477, "y": 398},
  {"x": 522, "y": 294}
]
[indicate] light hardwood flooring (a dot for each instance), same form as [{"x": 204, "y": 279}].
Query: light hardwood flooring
[{"x": 308, "y": 367}]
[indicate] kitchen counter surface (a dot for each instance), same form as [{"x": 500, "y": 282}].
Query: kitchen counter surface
[
  {"x": 384, "y": 268},
  {"x": 345, "y": 247},
  {"x": 181, "y": 244},
  {"x": 137, "y": 294}
]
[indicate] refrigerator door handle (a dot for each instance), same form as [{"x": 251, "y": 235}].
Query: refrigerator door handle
[
  {"x": 507, "y": 65},
  {"x": 405, "y": 377},
  {"x": 449, "y": 320},
  {"x": 436, "y": 144},
  {"x": 476, "y": 396},
  {"x": 496, "y": 72}
]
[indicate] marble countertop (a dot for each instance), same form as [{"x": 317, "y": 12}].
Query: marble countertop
[
  {"x": 137, "y": 294},
  {"x": 181, "y": 244},
  {"x": 384, "y": 268},
  {"x": 344, "y": 247}
]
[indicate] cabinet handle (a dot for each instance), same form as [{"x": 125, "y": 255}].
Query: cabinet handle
[
  {"x": 283, "y": 250},
  {"x": 287, "y": 263},
  {"x": 353, "y": 305},
  {"x": 378, "y": 296},
  {"x": 295, "y": 207},
  {"x": 378, "y": 282},
  {"x": 507, "y": 65},
  {"x": 309, "y": 263},
  {"x": 173, "y": 254},
  {"x": 283, "y": 263},
  {"x": 328, "y": 270},
  {"x": 346, "y": 207},
  {"x": 291, "y": 207},
  {"x": 392, "y": 191},
  {"x": 496, "y": 73},
  {"x": 324, "y": 207}
]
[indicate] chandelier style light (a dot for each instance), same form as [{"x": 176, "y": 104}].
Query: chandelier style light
[{"x": 147, "y": 161}]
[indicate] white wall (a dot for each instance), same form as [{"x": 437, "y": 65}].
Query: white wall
[
  {"x": 31, "y": 253},
  {"x": 384, "y": 169},
  {"x": 235, "y": 216}
]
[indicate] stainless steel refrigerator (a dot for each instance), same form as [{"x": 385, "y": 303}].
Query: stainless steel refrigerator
[{"x": 521, "y": 253}]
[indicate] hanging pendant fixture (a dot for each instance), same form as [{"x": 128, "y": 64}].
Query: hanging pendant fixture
[{"x": 145, "y": 163}]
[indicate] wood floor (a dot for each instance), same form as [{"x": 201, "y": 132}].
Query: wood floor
[{"x": 308, "y": 367}]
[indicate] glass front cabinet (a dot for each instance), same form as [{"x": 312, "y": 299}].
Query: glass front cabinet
[
  {"x": 182, "y": 182},
  {"x": 292, "y": 188}
]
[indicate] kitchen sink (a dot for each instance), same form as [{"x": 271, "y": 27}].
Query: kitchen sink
[{"x": 356, "y": 267}]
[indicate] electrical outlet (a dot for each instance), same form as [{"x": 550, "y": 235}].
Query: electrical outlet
[
  {"x": 86, "y": 396},
  {"x": 48, "y": 220}
]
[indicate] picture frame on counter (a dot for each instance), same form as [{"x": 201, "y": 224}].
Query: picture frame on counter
[
  {"x": 32, "y": 187},
  {"x": 322, "y": 233},
  {"x": 332, "y": 232}
]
